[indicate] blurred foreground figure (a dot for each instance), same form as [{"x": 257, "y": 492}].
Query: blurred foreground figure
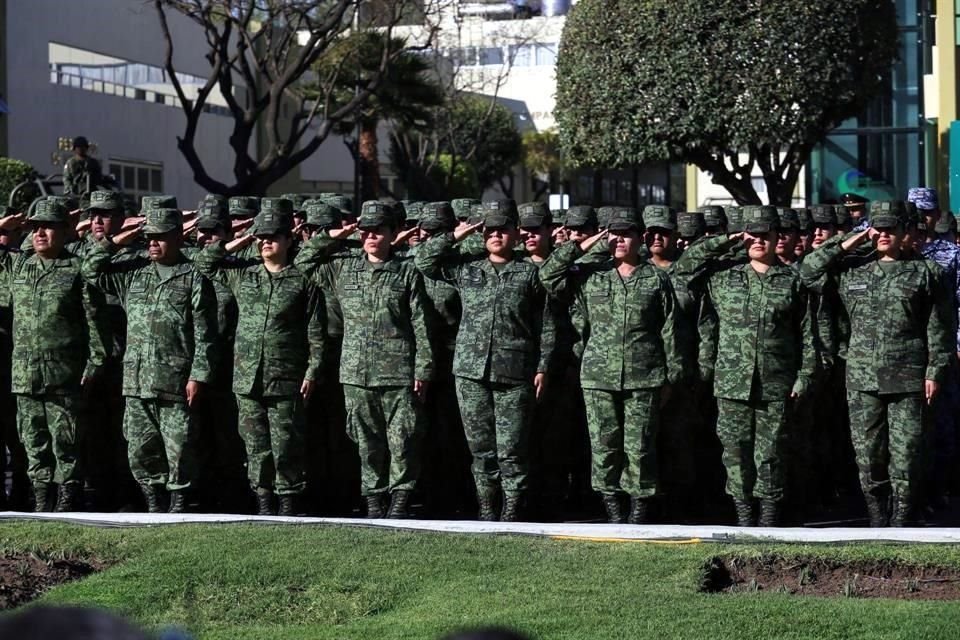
[{"x": 67, "y": 623}]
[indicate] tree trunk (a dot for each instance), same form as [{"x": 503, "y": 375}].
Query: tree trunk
[{"x": 369, "y": 160}]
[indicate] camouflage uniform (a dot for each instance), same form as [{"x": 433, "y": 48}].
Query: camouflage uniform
[
  {"x": 81, "y": 175},
  {"x": 56, "y": 342},
  {"x": 506, "y": 337},
  {"x": 901, "y": 334},
  {"x": 630, "y": 351},
  {"x": 279, "y": 343},
  {"x": 765, "y": 352},
  {"x": 171, "y": 339},
  {"x": 385, "y": 349}
]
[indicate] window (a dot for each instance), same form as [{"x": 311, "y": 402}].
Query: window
[
  {"x": 546, "y": 54},
  {"x": 137, "y": 178},
  {"x": 490, "y": 56}
]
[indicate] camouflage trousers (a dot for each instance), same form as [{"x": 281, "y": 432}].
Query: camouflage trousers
[
  {"x": 161, "y": 442},
  {"x": 754, "y": 437},
  {"x": 887, "y": 434},
  {"x": 387, "y": 425},
  {"x": 623, "y": 429},
  {"x": 10, "y": 443},
  {"x": 51, "y": 430},
  {"x": 497, "y": 419},
  {"x": 273, "y": 431}
]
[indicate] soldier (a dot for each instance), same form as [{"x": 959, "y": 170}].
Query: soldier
[
  {"x": 765, "y": 357},
  {"x": 580, "y": 223},
  {"x": 714, "y": 220},
  {"x": 387, "y": 361},
  {"x": 844, "y": 220},
  {"x": 343, "y": 204},
  {"x": 82, "y": 173},
  {"x": 855, "y": 206},
  {"x": 9, "y": 440},
  {"x": 630, "y": 356},
  {"x": 690, "y": 228},
  {"x": 299, "y": 212},
  {"x": 603, "y": 216},
  {"x": 463, "y": 207},
  {"x": 805, "y": 224},
  {"x": 899, "y": 353},
  {"x": 946, "y": 227},
  {"x": 243, "y": 208},
  {"x": 504, "y": 347},
  {"x": 788, "y": 236},
  {"x": 558, "y": 219},
  {"x": 536, "y": 226},
  {"x": 279, "y": 351},
  {"x": 171, "y": 349},
  {"x": 734, "y": 217},
  {"x": 58, "y": 352}
]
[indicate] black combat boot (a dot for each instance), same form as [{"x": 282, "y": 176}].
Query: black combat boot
[
  {"x": 746, "y": 514},
  {"x": 878, "y": 510},
  {"x": 41, "y": 496},
  {"x": 375, "y": 506},
  {"x": 901, "y": 512},
  {"x": 69, "y": 497},
  {"x": 178, "y": 501},
  {"x": 511, "y": 508},
  {"x": 153, "y": 497},
  {"x": 614, "y": 507},
  {"x": 288, "y": 506},
  {"x": 769, "y": 513},
  {"x": 486, "y": 498},
  {"x": 399, "y": 505},
  {"x": 640, "y": 510},
  {"x": 265, "y": 502}
]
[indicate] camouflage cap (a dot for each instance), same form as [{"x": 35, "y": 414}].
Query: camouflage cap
[
  {"x": 162, "y": 220},
  {"x": 713, "y": 216},
  {"x": 321, "y": 214},
  {"x": 558, "y": 217},
  {"x": 498, "y": 214},
  {"x": 243, "y": 206},
  {"x": 213, "y": 215},
  {"x": 690, "y": 224},
  {"x": 270, "y": 222},
  {"x": 213, "y": 198},
  {"x": 105, "y": 200},
  {"x": 760, "y": 219},
  {"x": 438, "y": 216},
  {"x": 888, "y": 214},
  {"x": 659, "y": 216},
  {"x": 533, "y": 215},
  {"x": 789, "y": 221},
  {"x": 377, "y": 213},
  {"x": 276, "y": 205},
  {"x": 297, "y": 200},
  {"x": 946, "y": 223},
  {"x": 51, "y": 211},
  {"x": 343, "y": 203},
  {"x": 843, "y": 215},
  {"x": 624, "y": 219},
  {"x": 924, "y": 197},
  {"x": 734, "y": 215},
  {"x": 580, "y": 216},
  {"x": 603, "y": 216},
  {"x": 149, "y": 203},
  {"x": 913, "y": 217},
  {"x": 412, "y": 210},
  {"x": 804, "y": 219},
  {"x": 823, "y": 215},
  {"x": 476, "y": 213},
  {"x": 463, "y": 207}
]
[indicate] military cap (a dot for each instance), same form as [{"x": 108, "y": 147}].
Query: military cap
[
  {"x": 321, "y": 214},
  {"x": 377, "y": 213},
  {"x": 580, "y": 216},
  {"x": 734, "y": 216},
  {"x": 80, "y": 141},
  {"x": 271, "y": 222},
  {"x": 924, "y": 198},
  {"x": 276, "y": 205},
  {"x": 213, "y": 198},
  {"x": 148, "y": 203},
  {"x": 329, "y": 194},
  {"x": 624, "y": 219},
  {"x": 297, "y": 200},
  {"x": 163, "y": 220},
  {"x": 533, "y": 215},
  {"x": 713, "y": 216},
  {"x": 603, "y": 216},
  {"x": 912, "y": 217},
  {"x": 412, "y": 210},
  {"x": 888, "y": 214},
  {"x": 843, "y": 216},
  {"x": 243, "y": 206},
  {"x": 438, "y": 216},
  {"x": 558, "y": 217},
  {"x": 823, "y": 215},
  {"x": 476, "y": 213},
  {"x": 343, "y": 203},
  {"x": 852, "y": 200},
  {"x": 804, "y": 219},
  {"x": 70, "y": 202},
  {"x": 789, "y": 221},
  {"x": 50, "y": 210},
  {"x": 946, "y": 223},
  {"x": 105, "y": 200},
  {"x": 213, "y": 215},
  {"x": 760, "y": 219},
  {"x": 498, "y": 214},
  {"x": 463, "y": 207},
  {"x": 690, "y": 224},
  {"x": 659, "y": 216}
]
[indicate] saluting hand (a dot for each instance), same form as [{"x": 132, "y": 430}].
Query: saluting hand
[
  {"x": 404, "y": 235},
  {"x": 11, "y": 222},
  {"x": 239, "y": 243},
  {"x": 854, "y": 241},
  {"x": 132, "y": 223},
  {"x": 343, "y": 232},
  {"x": 585, "y": 245},
  {"x": 464, "y": 229},
  {"x": 124, "y": 238}
]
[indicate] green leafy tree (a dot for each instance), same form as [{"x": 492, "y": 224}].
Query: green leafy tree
[
  {"x": 12, "y": 173},
  {"x": 543, "y": 157},
  {"x": 726, "y": 85}
]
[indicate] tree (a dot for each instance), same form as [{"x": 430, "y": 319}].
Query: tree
[
  {"x": 543, "y": 157},
  {"x": 12, "y": 173},
  {"x": 726, "y": 85},
  {"x": 406, "y": 94},
  {"x": 258, "y": 52}
]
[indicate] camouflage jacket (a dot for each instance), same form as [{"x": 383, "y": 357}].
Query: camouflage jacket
[
  {"x": 279, "y": 337},
  {"x": 507, "y": 331},
  {"x": 443, "y": 304},
  {"x": 764, "y": 331},
  {"x": 57, "y": 340},
  {"x": 901, "y": 318},
  {"x": 947, "y": 256},
  {"x": 628, "y": 327},
  {"x": 81, "y": 175},
  {"x": 171, "y": 321},
  {"x": 385, "y": 336}
]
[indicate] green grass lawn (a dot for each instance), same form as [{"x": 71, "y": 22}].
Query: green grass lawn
[{"x": 258, "y": 582}]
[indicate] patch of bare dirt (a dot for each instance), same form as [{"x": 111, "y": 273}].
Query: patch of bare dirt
[
  {"x": 831, "y": 578},
  {"x": 25, "y": 576}
]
